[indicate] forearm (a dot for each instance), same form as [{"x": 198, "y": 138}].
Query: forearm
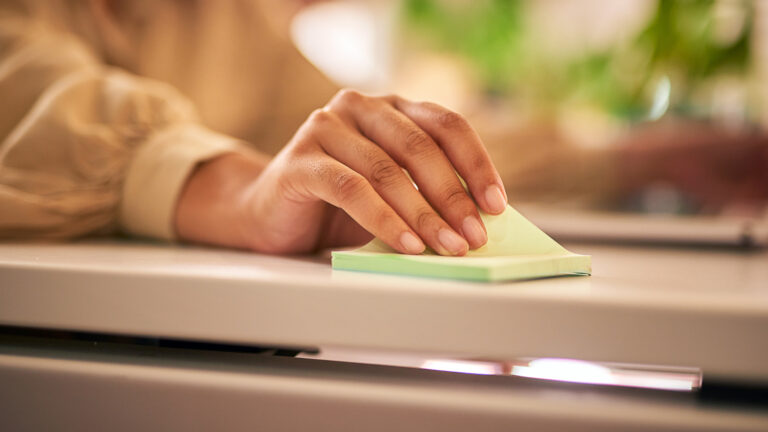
[
  {"x": 86, "y": 148},
  {"x": 210, "y": 206}
]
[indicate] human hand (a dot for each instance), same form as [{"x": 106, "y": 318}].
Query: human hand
[{"x": 339, "y": 181}]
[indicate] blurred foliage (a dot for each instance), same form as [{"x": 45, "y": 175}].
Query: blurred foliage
[
  {"x": 678, "y": 42},
  {"x": 488, "y": 33}
]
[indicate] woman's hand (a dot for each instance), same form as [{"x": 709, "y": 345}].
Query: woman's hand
[{"x": 340, "y": 180}]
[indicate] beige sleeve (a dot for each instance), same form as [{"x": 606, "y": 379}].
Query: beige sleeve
[{"x": 88, "y": 149}]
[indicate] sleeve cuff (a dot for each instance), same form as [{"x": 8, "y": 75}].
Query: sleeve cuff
[{"x": 158, "y": 172}]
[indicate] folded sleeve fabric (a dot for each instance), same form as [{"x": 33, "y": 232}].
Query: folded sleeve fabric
[
  {"x": 88, "y": 148},
  {"x": 516, "y": 249},
  {"x": 157, "y": 174}
]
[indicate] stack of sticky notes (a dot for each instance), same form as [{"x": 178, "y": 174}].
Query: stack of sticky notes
[{"x": 516, "y": 249}]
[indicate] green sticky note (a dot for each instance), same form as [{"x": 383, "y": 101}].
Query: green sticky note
[{"x": 516, "y": 249}]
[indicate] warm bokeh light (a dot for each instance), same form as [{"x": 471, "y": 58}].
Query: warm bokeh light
[{"x": 579, "y": 371}]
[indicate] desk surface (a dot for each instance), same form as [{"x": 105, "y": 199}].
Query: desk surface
[{"x": 682, "y": 307}]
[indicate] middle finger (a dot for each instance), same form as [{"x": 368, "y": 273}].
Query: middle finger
[
  {"x": 389, "y": 180},
  {"x": 427, "y": 164}
]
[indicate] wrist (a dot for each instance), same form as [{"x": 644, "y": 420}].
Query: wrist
[{"x": 210, "y": 208}]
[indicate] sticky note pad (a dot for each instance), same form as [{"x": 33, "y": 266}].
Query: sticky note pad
[{"x": 516, "y": 249}]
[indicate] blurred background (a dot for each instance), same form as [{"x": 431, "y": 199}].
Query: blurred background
[
  {"x": 655, "y": 107},
  {"x": 616, "y": 62}
]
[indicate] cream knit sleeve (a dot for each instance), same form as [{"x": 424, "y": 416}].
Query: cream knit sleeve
[{"x": 88, "y": 149}]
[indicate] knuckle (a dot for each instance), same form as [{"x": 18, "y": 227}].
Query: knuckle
[
  {"x": 348, "y": 96},
  {"x": 320, "y": 117},
  {"x": 390, "y": 98},
  {"x": 384, "y": 172},
  {"x": 417, "y": 142},
  {"x": 425, "y": 220},
  {"x": 348, "y": 186},
  {"x": 451, "y": 120},
  {"x": 454, "y": 196}
]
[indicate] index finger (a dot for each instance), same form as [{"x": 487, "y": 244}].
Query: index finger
[{"x": 464, "y": 149}]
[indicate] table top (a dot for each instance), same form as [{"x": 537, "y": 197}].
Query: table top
[{"x": 705, "y": 308}]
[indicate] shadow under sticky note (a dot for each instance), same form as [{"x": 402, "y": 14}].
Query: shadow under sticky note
[{"x": 516, "y": 249}]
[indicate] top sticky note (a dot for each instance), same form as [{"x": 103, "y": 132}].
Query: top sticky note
[{"x": 516, "y": 249}]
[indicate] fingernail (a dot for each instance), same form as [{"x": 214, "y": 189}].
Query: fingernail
[
  {"x": 411, "y": 243},
  {"x": 494, "y": 197},
  {"x": 473, "y": 231},
  {"x": 452, "y": 242}
]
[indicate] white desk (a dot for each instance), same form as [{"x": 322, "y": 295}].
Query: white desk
[
  {"x": 676, "y": 307},
  {"x": 707, "y": 309}
]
